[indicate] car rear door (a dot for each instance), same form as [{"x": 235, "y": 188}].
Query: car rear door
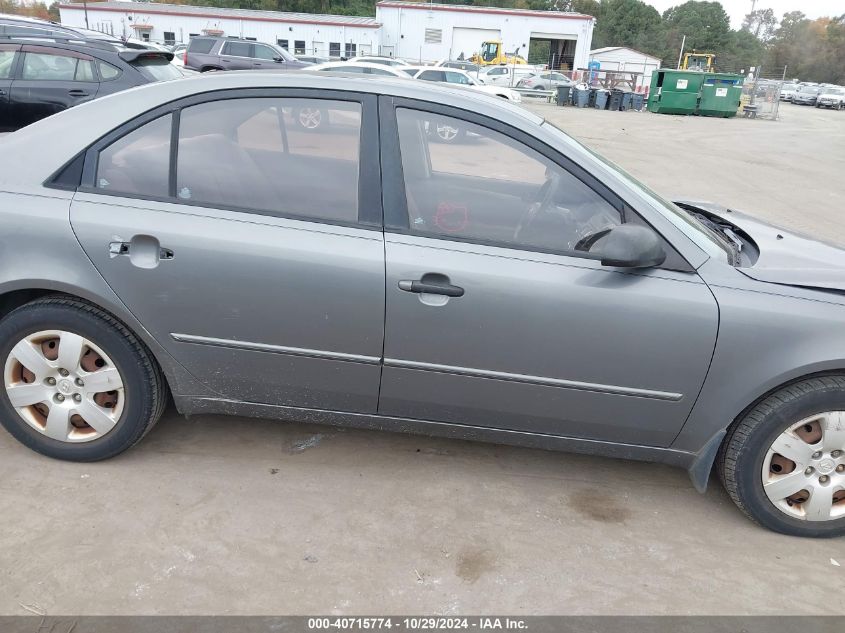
[
  {"x": 236, "y": 55},
  {"x": 495, "y": 314},
  {"x": 50, "y": 80},
  {"x": 257, "y": 260},
  {"x": 8, "y": 61}
]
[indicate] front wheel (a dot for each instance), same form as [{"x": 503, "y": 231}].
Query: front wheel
[
  {"x": 78, "y": 385},
  {"x": 783, "y": 464}
]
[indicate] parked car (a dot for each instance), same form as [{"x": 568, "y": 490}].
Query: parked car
[
  {"x": 40, "y": 76},
  {"x": 806, "y": 95},
  {"x": 466, "y": 66},
  {"x": 831, "y": 98},
  {"x": 522, "y": 290},
  {"x": 360, "y": 68},
  {"x": 545, "y": 80},
  {"x": 507, "y": 75},
  {"x": 313, "y": 59},
  {"x": 378, "y": 59},
  {"x": 787, "y": 90},
  {"x": 460, "y": 78},
  {"x": 24, "y": 27},
  {"x": 208, "y": 53}
]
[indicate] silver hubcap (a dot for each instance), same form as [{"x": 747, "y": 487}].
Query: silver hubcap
[
  {"x": 64, "y": 386},
  {"x": 310, "y": 118},
  {"x": 804, "y": 469}
]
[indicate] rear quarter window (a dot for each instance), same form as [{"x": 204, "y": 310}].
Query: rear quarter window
[{"x": 200, "y": 46}]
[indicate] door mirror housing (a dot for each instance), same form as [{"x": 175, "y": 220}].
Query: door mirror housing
[
  {"x": 278, "y": 60},
  {"x": 630, "y": 246}
]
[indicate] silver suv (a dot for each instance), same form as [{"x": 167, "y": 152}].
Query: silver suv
[{"x": 223, "y": 53}]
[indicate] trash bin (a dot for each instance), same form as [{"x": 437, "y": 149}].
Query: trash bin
[
  {"x": 592, "y": 102},
  {"x": 615, "y": 101},
  {"x": 675, "y": 91},
  {"x": 581, "y": 97},
  {"x": 637, "y": 101},
  {"x": 626, "y": 101},
  {"x": 601, "y": 99},
  {"x": 720, "y": 95},
  {"x": 563, "y": 95}
]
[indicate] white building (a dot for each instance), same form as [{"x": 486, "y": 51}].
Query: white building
[
  {"x": 626, "y": 59},
  {"x": 301, "y": 33},
  {"x": 429, "y": 32}
]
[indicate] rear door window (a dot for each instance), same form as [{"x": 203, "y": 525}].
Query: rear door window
[
  {"x": 54, "y": 67},
  {"x": 432, "y": 75},
  {"x": 279, "y": 156},
  {"x": 238, "y": 49},
  {"x": 138, "y": 163}
]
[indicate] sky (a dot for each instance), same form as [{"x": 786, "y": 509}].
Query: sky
[{"x": 738, "y": 8}]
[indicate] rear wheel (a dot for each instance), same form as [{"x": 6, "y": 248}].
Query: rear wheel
[
  {"x": 78, "y": 385},
  {"x": 783, "y": 464}
]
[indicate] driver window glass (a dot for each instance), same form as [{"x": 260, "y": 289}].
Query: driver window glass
[
  {"x": 466, "y": 181},
  {"x": 265, "y": 52}
]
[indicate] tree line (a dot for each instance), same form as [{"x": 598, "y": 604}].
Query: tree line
[{"x": 810, "y": 50}]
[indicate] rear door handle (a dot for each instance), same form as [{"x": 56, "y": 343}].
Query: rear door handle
[
  {"x": 77, "y": 93},
  {"x": 423, "y": 287}
]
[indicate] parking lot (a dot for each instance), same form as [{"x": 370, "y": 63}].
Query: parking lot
[{"x": 215, "y": 515}]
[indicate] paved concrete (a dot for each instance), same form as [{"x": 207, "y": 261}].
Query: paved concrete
[{"x": 216, "y": 515}]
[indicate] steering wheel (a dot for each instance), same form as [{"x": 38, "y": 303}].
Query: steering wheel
[
  {"x": 547, "y": 195},
  {"x": 587, "y": 242}
]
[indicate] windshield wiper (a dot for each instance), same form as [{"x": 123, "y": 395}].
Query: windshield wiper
[{"x": 724, "y": 234}]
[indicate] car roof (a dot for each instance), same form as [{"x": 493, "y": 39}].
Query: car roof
[
  {"x": 338, "y": 67},
  {"x": 71, "y": 131}
]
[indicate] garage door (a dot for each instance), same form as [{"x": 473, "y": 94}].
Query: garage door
[{"x": 468, "y": 41}]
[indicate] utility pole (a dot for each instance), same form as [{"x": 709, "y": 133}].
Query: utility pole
[
  {"x": 681, "y": 55},
  {"x": 85, "y": 7}
]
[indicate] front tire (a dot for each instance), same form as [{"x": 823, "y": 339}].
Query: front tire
[
  {"x": 783, "y": 464},
  {"x": 78, "y": 385}
]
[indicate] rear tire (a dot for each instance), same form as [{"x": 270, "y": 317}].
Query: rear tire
[
  {"x": 795, "y": 420},
  {"x": 135, "y": 380}
]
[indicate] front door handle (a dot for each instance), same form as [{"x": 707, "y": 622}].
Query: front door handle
[{"x": 429, "y": 288}]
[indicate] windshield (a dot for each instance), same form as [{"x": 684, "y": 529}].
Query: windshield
[
  {"x": 810, "y": 90},
  {"x": 703, "y": 237},
  {"x": 489, "y": 50},
  {"x": 156, "y": 68}
]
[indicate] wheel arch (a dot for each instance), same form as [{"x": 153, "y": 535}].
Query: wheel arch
[
  {"x": 178, "y": 379},
  {"x": 702, "y": 465}
]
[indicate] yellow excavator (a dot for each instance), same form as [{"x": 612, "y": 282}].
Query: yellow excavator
[
  {"x": 705, "y": 62},
  {"x": 493, "y": 52}
]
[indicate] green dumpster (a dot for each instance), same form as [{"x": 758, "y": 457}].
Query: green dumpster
[
  {"x": 675, "y": 91},
  {"x": 720, "y": 95}
]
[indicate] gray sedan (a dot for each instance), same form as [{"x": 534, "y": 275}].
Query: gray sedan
[{"x": 191, "y": 241}]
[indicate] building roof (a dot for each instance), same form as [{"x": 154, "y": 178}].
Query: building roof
[
  {"x": 461, "y": 8},
  {"x": 607, "y": 49},
  {"x": 154, "y": 8}
]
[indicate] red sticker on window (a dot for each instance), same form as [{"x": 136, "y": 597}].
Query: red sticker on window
[{"x": 451, "y": 217}]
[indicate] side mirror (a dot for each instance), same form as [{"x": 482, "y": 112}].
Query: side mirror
[
  {"x": 278, "y": 60},
  {"x": 630, "y": 246}
]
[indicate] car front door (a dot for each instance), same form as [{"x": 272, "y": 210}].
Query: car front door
[
  {"x": 51, "y": 80},
  {"x": 496, "y": 316},
  {"x": 264, "y": 56},
  {"x": 258, "y": 262},
  {"x": 8, "y": 61},
  {"x": 236, "y": 55}
]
